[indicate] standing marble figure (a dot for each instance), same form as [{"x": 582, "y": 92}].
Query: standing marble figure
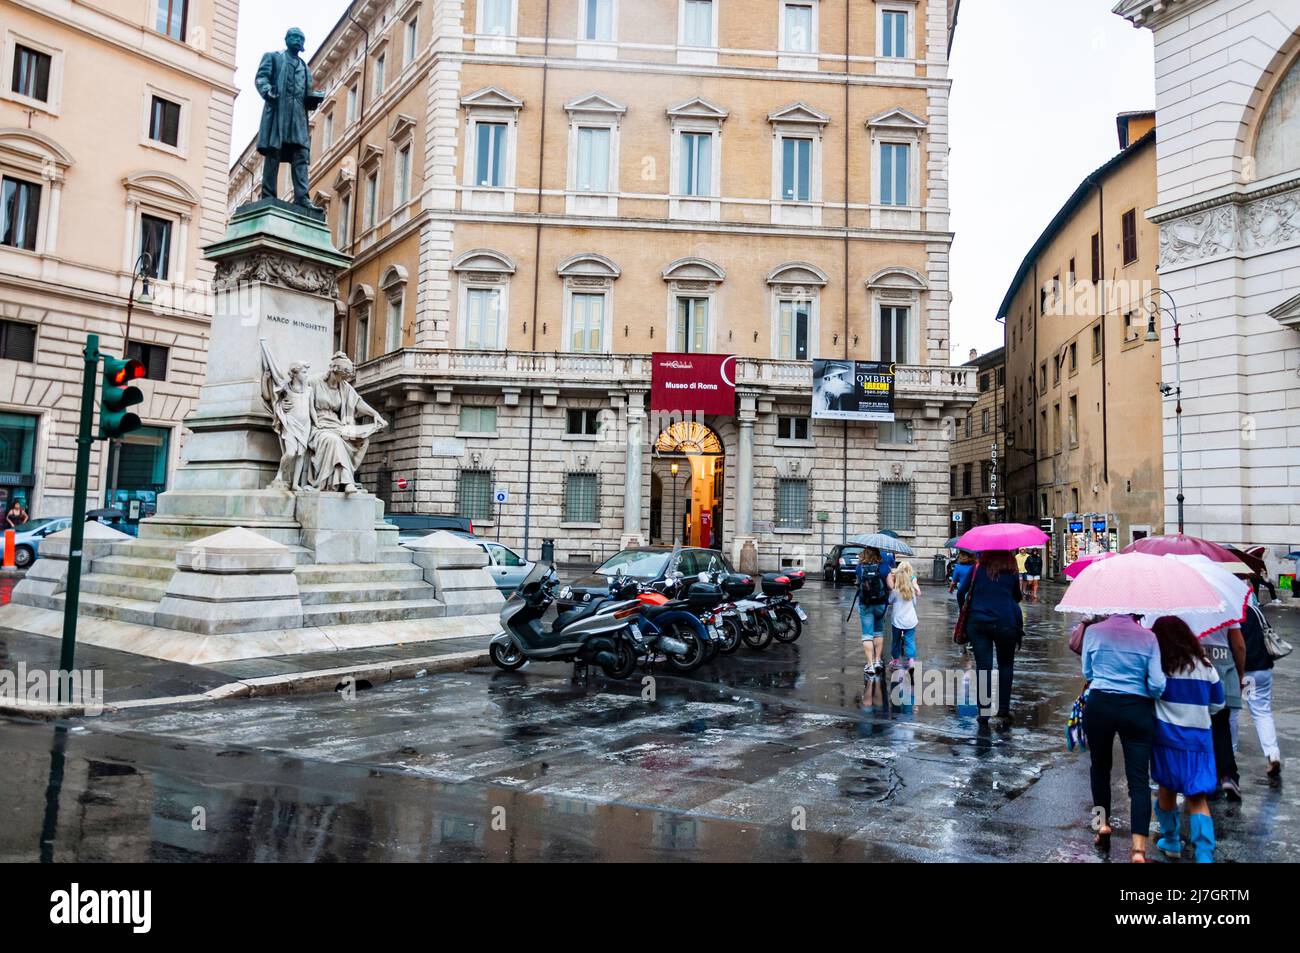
[
  {"x": 338, "y": 442},
  {"x": 284, "y": 82},
  {"x": 288, "y": 397}
]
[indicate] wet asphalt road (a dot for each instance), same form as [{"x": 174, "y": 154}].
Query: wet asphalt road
[{"x": 774, "y": 755}]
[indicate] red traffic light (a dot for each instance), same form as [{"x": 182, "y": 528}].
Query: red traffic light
[{"x": 130, "y": 370}]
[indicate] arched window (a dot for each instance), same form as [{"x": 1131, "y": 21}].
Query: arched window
[{"x": 1277, "y": 147}]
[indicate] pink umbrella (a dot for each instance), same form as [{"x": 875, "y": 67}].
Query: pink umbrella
[
  {"x": 1234, "y": 593},
  {"x": 1083, "y": 562},
  {"x": 1139, "y": 584},
  {"x": 1001, "y": 536},
  {"x": 1180, "y": 544}
]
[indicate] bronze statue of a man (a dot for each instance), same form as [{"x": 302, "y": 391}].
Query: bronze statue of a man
[{"x": 284, "y": 82}]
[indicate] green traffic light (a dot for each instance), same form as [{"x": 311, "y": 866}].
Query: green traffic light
[{"x": 116, "y": 395}]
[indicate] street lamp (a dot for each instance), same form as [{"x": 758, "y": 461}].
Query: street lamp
[
  {"x": 1153, "y": 308},
  {"x": 143, "y": 266}
]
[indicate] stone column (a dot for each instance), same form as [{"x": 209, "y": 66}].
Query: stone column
[
  {"x": 744, "y": 537},
  {"x": 634, "y": 420}
]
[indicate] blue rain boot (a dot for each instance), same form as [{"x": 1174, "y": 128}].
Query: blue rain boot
[
  {"x": 1170, "y": 843},
  {"x": 1202, "y": 828}
]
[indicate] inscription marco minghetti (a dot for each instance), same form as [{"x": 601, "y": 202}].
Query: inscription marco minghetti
[{"x": 295, "y": 323}]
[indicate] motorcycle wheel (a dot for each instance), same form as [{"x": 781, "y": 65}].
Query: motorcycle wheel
[
  {"x": 626, "y": 662},
  {"x": 694, "y": 655},
  {"x": 731, "y": 635},
  {"x": 788, "y": 626},
  {"x": 506, "y": 656},
  {"x": 760, "y": 636}
]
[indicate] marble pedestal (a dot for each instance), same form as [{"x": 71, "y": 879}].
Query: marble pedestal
[{"x": 340, "y": 527}]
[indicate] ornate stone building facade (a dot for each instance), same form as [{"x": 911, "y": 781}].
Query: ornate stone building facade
[
  {"x": 1228, "y": 214},
  {"x": 114, "y": 140},
  {"x": 538, "y": 196}
]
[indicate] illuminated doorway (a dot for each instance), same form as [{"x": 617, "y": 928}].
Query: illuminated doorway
[{"x": 686, "y": 486}]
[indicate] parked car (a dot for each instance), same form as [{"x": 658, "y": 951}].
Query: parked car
[
  {"x": 27, "y": 538},
  {"x": 506, "y": 567},
  {"x": 647, "y": 565},
  {"x": 841, "y": 563},
  {"x": 416, "y": 525}
]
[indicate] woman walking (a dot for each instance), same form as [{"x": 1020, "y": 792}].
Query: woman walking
[
  {"x": 994, "y": 623},
  {"x": 873, "y": 602},
  {"x": 1121, "y": 661},
  {"x": 1182, "y": 758},
  {"x": 1259, "y": 674},
  {"x": 903, "y": 593}
]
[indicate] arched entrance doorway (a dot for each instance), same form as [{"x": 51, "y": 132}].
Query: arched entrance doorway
[{"x": 686, "y": 484}]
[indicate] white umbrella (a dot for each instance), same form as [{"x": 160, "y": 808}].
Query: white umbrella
[{"x": 1234, "y": 592}]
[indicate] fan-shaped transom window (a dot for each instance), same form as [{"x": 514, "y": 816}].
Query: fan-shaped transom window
[{"x": 689, "y": 437}]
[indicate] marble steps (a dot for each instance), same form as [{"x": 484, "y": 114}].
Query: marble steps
[
  {"x": 166, "y": 549},
  {"x": 358, "y": 613},
  {"x": 359, "y": 574},
  {"x": 342, "y": 593},
  {"x": 113, "y": 607},
  {"x": 136, "y": 567},
  {"x": 126, "y": 587},
  {"x": 394, "y": 554}
]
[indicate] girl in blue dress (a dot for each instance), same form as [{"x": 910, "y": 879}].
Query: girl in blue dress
[{"x": 1182, "y": 756}]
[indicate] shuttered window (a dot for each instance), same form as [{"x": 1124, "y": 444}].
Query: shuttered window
[
  {"x": 1130, "y": 236},
  {"x": 17, "y": 341}
]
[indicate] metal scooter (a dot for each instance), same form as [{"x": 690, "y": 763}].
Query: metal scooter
[{"x": 597, "y": 632}]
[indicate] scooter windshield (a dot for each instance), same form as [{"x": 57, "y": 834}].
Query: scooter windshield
[{"x": 534, "y": 578}]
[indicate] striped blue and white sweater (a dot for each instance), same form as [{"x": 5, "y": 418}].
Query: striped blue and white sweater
[{"x": 1183, "y": 711}]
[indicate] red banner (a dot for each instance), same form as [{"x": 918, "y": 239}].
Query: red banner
[{"x": 699, "y": 383}]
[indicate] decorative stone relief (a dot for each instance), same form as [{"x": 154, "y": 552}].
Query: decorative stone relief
[
  {"x": 277, "y": 269},
  {"x": 1247, "y": 227}
]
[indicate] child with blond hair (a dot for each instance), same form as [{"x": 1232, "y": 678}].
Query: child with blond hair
[{"x": 903, "y": 593}]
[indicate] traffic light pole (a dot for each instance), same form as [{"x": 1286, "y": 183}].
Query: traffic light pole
[{"x": 85, "y": 438}]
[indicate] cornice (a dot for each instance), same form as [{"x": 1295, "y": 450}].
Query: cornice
[
  {"x": 1233, "y": 195},
  {"x": 1153, "y": 14}
]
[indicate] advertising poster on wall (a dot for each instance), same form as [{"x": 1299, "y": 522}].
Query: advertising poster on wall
[{"x": 853, "y": 390}]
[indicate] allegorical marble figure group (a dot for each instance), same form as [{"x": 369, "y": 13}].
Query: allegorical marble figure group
[{"x": 321, "y": 442}]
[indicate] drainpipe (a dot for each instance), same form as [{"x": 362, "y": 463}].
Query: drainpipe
[
  {"x": 537, "y": 275},
  {"x": 844, "y": 425},
  {"x": 356, "y": 180},
  {"x": 1104, "y": 311}
]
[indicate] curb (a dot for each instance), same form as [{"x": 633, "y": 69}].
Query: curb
[
  {"x": 319, "y": 680},
  {"x": 294, "y": 683}
]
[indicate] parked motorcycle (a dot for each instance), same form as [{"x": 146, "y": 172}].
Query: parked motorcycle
[
  {"x": 783, "y": 614},
  {"x": 598, "y": 632}
]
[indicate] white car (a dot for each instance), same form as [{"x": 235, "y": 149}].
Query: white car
[
  {"x": 27, "y": 538},
  {"x": 507, "y": 568}
]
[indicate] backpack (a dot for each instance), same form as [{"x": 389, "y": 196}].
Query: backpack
[{"x": 874, "y": 591}]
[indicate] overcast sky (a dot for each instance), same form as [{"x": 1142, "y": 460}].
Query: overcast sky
[{"x": 1034, "y": 100}]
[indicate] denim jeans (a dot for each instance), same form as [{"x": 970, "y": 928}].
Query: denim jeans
[
  {"x": 873, "y": 621},
  {"x": 984, "y": 640},
  {"x": 903, "y": 644}
]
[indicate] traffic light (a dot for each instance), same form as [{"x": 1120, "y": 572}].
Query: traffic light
[{"x": 116, "y": 395}]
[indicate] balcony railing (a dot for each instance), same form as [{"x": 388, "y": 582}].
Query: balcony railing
[{"x": 429, "y": 367}]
